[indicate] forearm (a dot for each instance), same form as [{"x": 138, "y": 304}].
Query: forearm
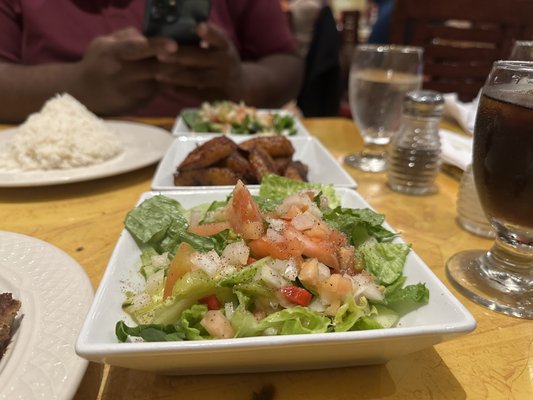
[
  {"x": 24, "y": 89},
  {"x": 273, "y": 81}
]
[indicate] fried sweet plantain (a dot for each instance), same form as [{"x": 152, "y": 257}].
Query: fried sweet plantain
[
  {"x": 206, "y": 177},
  {"x": 261, "y": 162},
  {"x": 281, "y": 164},
  {"x": 292, "y": 173},
  {"x": 239, "y": 164},
  {"x": 275, "y": 146},
  {"x": 220, "y": 161},
  {"x": 208, "y": 153},
  {"x": 298, "y": 167}
]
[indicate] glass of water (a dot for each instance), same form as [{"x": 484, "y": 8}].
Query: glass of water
[{"x": 380, "y": 76}]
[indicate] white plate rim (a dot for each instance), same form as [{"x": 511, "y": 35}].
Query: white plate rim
[
  {"x": 143, "y": 145},
  {"x": 174, "y": 156},
  {"x": 117, "y": 353},
  {"x": 56, "y": 293}
]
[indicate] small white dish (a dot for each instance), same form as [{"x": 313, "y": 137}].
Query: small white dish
[
  {"x": 323, "y": 168},
  {"x": 143, "y": 145},
  {"x": 40, "y": 361},
  {"x": 180, "y": 128},
  {"x": 443, "y": 318}
]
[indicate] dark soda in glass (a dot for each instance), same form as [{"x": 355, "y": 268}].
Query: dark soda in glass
[{"x": 503, "y": 156}]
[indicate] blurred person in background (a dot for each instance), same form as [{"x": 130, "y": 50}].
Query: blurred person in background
[
  {"x": 321, "y": 90},
  {"x": 94, "y": 50},
  {"x": 379, "y": 33},
  {"x": 303, "y": 15}
]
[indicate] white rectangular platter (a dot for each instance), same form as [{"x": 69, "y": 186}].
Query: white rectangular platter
[
  {"x": 180, "y": 128},
  {"x": 323, "y": 168},
  {"x": 443, "y": 318}
]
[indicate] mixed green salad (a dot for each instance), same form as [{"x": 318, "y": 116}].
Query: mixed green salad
[
  {"x": 290, "y": 260},
  {"x": 236, "y": 118}
]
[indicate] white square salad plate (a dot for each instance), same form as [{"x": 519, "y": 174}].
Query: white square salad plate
[
  {"x": 181, "y": 128},
  {"x": 442, "y": 319},
  {"x": 323, "y": 167}
]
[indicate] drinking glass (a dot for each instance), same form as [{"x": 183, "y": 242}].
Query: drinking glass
[
  {"x": 469, "y": 213},
  {"x": 380, "y": 76},
  {"x": 522, "y": 50},
  {"x": 502, "y": 278}
]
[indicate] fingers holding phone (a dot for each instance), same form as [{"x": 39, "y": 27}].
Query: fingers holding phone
[
  {"x": 176, "y": 19},
  {"x": 213, "y": 67},
  {"x": 116, "y": 73}
]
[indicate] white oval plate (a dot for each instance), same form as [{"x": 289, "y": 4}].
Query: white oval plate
[
  {"x": 40, "y": 362},
  {"x": 143, "y": 145}
]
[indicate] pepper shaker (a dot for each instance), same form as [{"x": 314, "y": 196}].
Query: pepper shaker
[{"x": 414, "y": 153}]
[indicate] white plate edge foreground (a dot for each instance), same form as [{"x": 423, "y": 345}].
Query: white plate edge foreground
[
  {"x": 180, "y": 128},
  {"x": 144, "y": 145},
  {"x": 264, "y": 353},
  {"x": 56, "y": 294},
  {"x": 169, "y": 162}
]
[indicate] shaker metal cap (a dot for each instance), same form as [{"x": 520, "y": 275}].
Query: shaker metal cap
[{"x": 423, "y": 103}]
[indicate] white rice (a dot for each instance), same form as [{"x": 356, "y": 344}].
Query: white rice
[{"x": 63, "y": 135}]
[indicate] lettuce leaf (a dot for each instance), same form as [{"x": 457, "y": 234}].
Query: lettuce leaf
[
  {"x": 385, "y": 260},
  {"x": 243, "y": 321},
  {"x": 348, "y": 314},
  {"x": 296, "y": 320},
  {"x": 187, "y": 327},
  {"x": 177, "y": 233},
  {"x": 358, "y": 224},
  {"x": 148, "y": 332},
  {"x": 404, "y": 299},
  {"x": 192, "y": 119},
  {"x": 189, "y": 322},
  {"x": 284, "y": 124},
  {"x": 150, "y": 220},
  {"x": 276, "y": 188},
  {"x": 160, "y": 222}
]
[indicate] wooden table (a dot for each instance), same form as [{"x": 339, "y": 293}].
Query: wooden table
[{"x": 493, "y": 362}]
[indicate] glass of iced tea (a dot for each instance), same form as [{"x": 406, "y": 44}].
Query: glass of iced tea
[
  {"x": 502, "y": 278},
  {"x": 380, "y": 76}
]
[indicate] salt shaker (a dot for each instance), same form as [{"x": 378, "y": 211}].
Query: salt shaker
[
  {"x": 414, "y": 153},
  {"x": 470, "y": 215}
]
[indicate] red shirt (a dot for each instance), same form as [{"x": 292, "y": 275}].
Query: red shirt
[{"x": 40, "y": 31}]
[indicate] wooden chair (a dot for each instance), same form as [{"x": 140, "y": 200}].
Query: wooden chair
[{"x": 461, "y": 38}]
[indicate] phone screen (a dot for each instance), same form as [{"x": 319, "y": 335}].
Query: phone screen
[{"x": 176, "y": 19}]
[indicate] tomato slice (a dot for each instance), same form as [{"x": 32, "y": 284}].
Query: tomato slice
[
  {"x": 324, "y": 250},
  {"x": 282, "y": 250},
  {"x": 179, "y": 266},
  {"x": 244, "y": 215},
  {"x": 211, "y": 302},
  {"x": 297, "y": 295}
]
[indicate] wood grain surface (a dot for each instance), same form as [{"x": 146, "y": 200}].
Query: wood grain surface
[{"x": 493, "y": 362}]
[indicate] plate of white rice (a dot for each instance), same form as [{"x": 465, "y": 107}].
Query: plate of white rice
[{"x": 64, "y": 142}]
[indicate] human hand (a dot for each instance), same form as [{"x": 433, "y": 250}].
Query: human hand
[
  {"x": 116, "y": 74},
  {"x": 210, "y": 71}
]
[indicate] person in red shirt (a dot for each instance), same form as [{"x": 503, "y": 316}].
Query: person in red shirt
[{"x": 94, "y": 50}]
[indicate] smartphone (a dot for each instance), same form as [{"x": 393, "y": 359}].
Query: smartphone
[{"x": 176, "y": 19}]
